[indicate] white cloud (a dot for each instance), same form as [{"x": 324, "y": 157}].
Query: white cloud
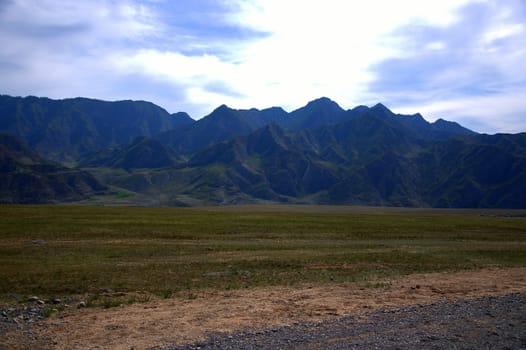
[
  {"x": 62, "y": 49},
  {"x": 490, "y": 114},
  {"x": 318, "y": 48},
  {"x": 131, "y": 49},
  {"x": 473, "y": 76},
  {"x": 502, "y": 32}
]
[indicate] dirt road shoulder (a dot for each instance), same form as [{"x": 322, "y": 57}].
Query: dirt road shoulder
[{"x": 181, "y": 320}]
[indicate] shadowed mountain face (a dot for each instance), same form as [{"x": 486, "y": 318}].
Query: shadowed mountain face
[
  {"x": 222, "y": 124},
  {"x": 225, "y": 123},
  {"x": 319, "y": 153},
  {"x": 316, "y": 113},
  {"x": 142, "y": 153},
  {"x": 27, "y": 178},
  {"x": 373, "y": 161},
  {"x": 63, "y": 130},
  {"x": 477, "y": 171}
]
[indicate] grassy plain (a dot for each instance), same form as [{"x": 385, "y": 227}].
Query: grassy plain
[{"x": 58, "y": 251}]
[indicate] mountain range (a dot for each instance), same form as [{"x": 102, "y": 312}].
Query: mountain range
[
  {"x": 27, "y": 178},
  {"x": 319, "y": 153}
]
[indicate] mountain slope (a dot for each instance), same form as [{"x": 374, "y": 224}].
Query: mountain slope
[
  {"x": 222, "y": 124},
  {"x": 142, "y": 153},
  {"x": 372, "y": 158},
  {"x": 478, "y": 171},
  {"x": 268, "y": 164},
  {"x": 27, "y": 178},
  {"x": 318, "y": 153},
  {"x": 318, "y": 112},
  {"x": 65, "y": 129},
  {"x": 225, "y": 123}
]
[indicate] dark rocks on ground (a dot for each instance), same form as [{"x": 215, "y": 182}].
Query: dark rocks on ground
[{"x": 480, "y": 323}]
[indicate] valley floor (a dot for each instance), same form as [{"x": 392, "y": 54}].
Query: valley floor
[{"x": 184, "y": 319}]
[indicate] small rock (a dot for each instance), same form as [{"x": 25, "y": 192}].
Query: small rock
[
  {"x": 41, "y": 302},
  {"x": 56, "y": 301},
  {"x": 33, "y": 298},
  {"x": 81, "y": 304}
]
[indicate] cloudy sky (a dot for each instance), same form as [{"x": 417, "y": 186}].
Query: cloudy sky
[{"x": 461, "y": 60}]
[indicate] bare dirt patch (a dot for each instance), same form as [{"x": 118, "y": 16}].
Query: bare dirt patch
[{"x": 186, "y": 319}]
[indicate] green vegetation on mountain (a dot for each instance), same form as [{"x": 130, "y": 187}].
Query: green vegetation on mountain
[
  {"x": 143, "y": 152},
  {"x": 27, "y": 178},
  {"x": 319, "y": 153},
  {"x": 63, "y": 130}
]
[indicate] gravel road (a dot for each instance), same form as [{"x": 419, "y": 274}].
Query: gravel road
[{"x": 497, "y": 322}]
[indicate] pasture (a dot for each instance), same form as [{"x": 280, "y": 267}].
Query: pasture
[{"x": 118, "y": 252}]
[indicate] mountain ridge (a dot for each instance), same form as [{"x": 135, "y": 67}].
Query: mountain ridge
[
  {"x": 62, "y": 130},
  {"x": 319, "y": 154}
]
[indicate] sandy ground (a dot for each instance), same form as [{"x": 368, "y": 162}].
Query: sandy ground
[{"x": 180, "y": 320}]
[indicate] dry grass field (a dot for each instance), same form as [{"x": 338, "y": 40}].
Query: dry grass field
[
  {"x": 58, "y": 251},
  {"x": 157, "y": 276}
]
